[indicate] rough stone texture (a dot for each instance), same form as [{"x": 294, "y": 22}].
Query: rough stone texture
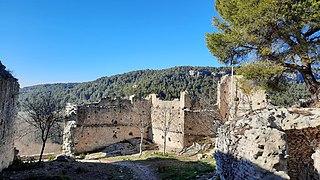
[
  {"x": 104, "y": 123},
  {"x": 240, "y": 101},
  {"x": 190, "y": 121},
  {"x": 110, "y": 121},
  {"x": 200, "y": 124},
  {"x": 68, "y": 142},
  {"x": 172, "y": 112},
  {"x": 9, "y": 90},
  {"x": 270, "y": 144}
]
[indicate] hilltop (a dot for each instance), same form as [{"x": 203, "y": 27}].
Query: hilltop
[{"x": 166, "y": 83}]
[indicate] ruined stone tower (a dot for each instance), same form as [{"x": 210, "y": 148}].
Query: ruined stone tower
[{"x": 9, "y": 90}]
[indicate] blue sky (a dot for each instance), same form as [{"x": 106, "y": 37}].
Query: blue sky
[{"x": 49, "y": 41}]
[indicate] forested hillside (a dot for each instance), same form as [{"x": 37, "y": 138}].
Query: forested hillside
[{"x": 167, "y": 84}]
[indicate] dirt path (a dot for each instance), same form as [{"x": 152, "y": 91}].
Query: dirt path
[{"x": 141, "y": 172}]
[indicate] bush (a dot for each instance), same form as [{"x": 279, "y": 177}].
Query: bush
[{"x": 51, "y": 157}]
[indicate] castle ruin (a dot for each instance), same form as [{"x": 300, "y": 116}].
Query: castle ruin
[
  {"x": 254, "y": 140},
  {"x": 9, "y": 90},
  {"x": 267, "y": 143},
  {"x": 110, "y": 121}
]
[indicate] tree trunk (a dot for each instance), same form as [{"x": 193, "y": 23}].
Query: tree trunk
[
  {"x": 42, "y": 150},
  {"x": 44, "y": 140},
  {"x": 141, "y": 141},
  {"x": 311, "y": 82},
  {"x": 164, "y": 145}
]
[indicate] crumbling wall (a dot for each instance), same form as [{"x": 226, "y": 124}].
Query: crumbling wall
[
  {"x": 9, "y": 90},
  {"x": 107, "y": 122},
  {"x": 302, "y": 144},
  {"x": 168, "y": 115},
  {"x": 270, "y": 144},
  {"x": 239, "y": 104},
  {"x": 111, "y": 121},
  {"x": 200, "y": 124},
  {"x": 223, "y": 97},
  {"x": 191, "y": 121}
]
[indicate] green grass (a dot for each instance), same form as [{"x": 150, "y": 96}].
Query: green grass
[
  {"x": 184, "y": 170},
  {"x": 172, "y": 166},
  {"x": 147, "y": 155}
]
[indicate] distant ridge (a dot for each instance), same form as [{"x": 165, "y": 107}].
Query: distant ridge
[{"x": 166, "y": 83}]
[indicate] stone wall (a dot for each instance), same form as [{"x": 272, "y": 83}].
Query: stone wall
[
  {"x": 110, "y": 121},
  {"x": 107, "y": 122},
  {"x": 236, "y": 103},
  {"x": 199, "y": 124},
  {"x": 270, "y": 144},
  {"x": 189, "y": 121},
  {"x": 9, "y": 90},
  {"x": 168, "y": 116}
]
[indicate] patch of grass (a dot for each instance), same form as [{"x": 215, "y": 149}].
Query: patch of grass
[
  {"x": 51, "y": 158},
  {"x": 147, "y": 155},
  {"x": 183, "y": 170},
  {"x": 210, "y": 160},
  {"x": 82, "y": 156},
  {"x": 171, "y": 166}
]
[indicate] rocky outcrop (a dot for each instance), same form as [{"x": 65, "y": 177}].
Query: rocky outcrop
[
  {"x": 270, "y": 144},
  {"x": 9, "y": 90}
]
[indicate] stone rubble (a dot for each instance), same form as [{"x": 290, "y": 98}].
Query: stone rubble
[{"x": 269, "y": 144}]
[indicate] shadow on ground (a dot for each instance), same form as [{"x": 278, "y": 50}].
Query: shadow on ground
[
  {"x": 152, "y": 168},
  {"x": 55, "y": 170},
  {"x": 172, "y": 168}
]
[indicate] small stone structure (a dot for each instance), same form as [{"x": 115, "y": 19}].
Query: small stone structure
[
  {"x": 110, "y": 121},
  {"x": 9, "y": 90}
]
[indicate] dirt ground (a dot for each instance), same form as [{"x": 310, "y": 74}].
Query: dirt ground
[
  {"x": 152, "y": 166},
  {"x": 70, "y": 170}
]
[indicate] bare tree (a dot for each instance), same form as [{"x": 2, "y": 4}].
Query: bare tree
[
  {"x": 210, "y": 118},
  {"x": 167, "y": 116},
  {"x": 141, "y": 119},
  {"x": 43, "y": 112}
]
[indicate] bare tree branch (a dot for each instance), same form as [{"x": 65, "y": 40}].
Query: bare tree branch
[{"x": 43, "y": 112}]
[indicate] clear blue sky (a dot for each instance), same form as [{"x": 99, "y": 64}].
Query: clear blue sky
[{"x": 48, "y": 41}]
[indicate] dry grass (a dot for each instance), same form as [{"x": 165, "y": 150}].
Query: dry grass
[{"x": 305, "y": 112}]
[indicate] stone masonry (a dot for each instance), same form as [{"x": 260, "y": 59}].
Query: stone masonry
[
  {"x": 9, "y": 90},
  {"x": 110, "y": 121},
  {"x": 270, "y": 144},
  {"x": 235, "y": 103},
  {"x": 100, "y": 124},
  {"x": 190, "y": 122}
]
